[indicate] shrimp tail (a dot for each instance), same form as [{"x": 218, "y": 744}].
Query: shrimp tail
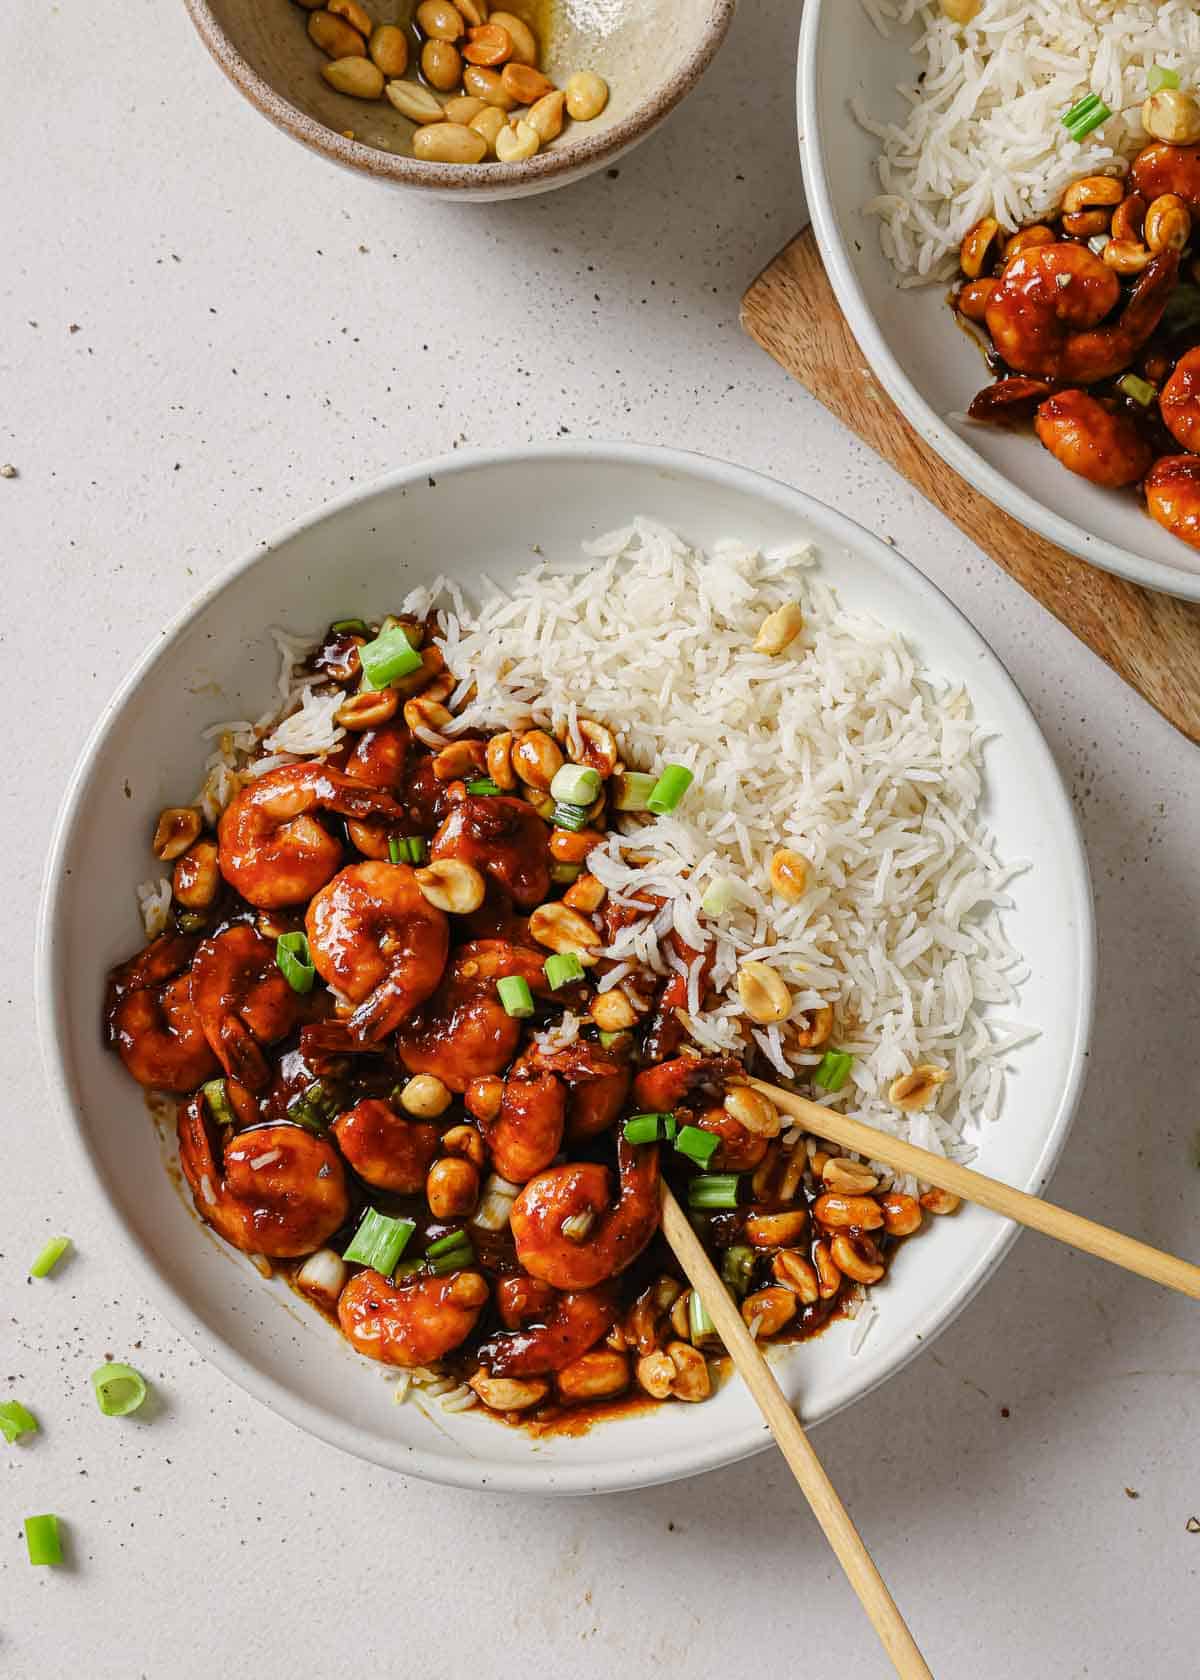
[{"x": 240, "y": 1054}]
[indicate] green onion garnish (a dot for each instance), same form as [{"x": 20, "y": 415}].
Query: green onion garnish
[
  {"x": 833, "y": 1070},
  {"x": 697, "y": 1145},
  {"x": 42, "y": 1539},
  {"x": 631, "y": 790},
  {"x": 1088, "y": 114},
  {"x": 16, "y": 1420},
  {"x": 1158, "y": 76},
  {"x": 450, "y": 1253},
  {"x": 700, "y": 1326},
  {"x": 720, "y": 895},
  {"x": 389, "y": 656},
  {"x": 49, "y": 1257},
  {"x": 562, "y": 969},
  {"x": 315, "y": 1106},
  {"x": 216, "y": 1095},
  {"x": 652, "y": 1128},
  {"x": 611, "y": 1040},
  {"x": 565, "y": 873},
  {"x": 484, "y": 786},
  {"x": 1139, "y": 390},
  {"x": 295, "y": 962},
  {"x": 737, "y": 1264},
  {"x": 379, "y": 1241},
  {"x": 515, "y": 995},
  {"x": 395, "y": 849},
  {"x": 571, "y": 817},
  {"x": 348, "y": 626},
  {"x": 408, "y": 848},
  {"x": 576, "y": 784},
  {"x": 119, "y": 1389},
  {"x": 669, "y": 789},
  {"x": 712, "y": 1190}
]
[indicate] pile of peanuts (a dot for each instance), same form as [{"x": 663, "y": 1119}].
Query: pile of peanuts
[{"x": 500, "y": 104}]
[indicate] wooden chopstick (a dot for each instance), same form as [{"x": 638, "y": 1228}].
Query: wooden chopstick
[
  {"x": 1070, "y": 1228},
  {"x": 793, "y": 1443}
]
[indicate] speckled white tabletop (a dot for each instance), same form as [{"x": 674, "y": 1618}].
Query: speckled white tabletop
[{"x": 207, "y": 331}]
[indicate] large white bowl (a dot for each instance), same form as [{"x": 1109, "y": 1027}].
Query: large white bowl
[
  {"x": 217, "y": 661},
  {"x": 929, "y": 367}
]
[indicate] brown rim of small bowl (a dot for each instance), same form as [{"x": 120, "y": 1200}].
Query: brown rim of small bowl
[{"x": 460, "y": 177}]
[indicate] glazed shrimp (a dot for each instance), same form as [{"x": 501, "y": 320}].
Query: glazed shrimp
[
  {"x": 1172, "y": 488},
  {"x": 243, "y": 1001},
  {"x": 280, "y": 1191},
  {"x": 666, "y": 1086},
  {"x": 617, "y": 1233},
  {"x": 464, "y": 1031},
  {"x": 151, "y": 1021},
  {"x": 273, "y": 850},
  {"x": 1088, "y": 439},
  {"x": 378, "y": 941},
  {"x": 386, "y": 1150},
  {"x": 740, "y": 1150},
  {"x": 1162, "y": 168},
  {"x": 570, "y": 1325},
  {"x": 666, "y": 1031},
  {"x": 412, "y": 1324},
  {"x": 1179, "y": 402},
  {"x": 1045, "y": 313},
  {"x": 378, "y": 760},
  {"x": 526, "y": 1134},
  {"x": 598, "y": 1084},
  {"x": 504, "y": 839}
]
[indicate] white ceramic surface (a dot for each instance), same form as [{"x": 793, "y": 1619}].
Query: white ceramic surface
[
  {"x": 930, "y": 368},
  {"x": 217, "y": 661}
]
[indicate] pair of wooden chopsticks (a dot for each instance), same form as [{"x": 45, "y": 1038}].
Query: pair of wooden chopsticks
[{"x": 782, "y": 1421}]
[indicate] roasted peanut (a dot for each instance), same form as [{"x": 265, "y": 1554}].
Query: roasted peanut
[
  {"x": 857, "y": 1257},
  {"x": 422, "y": 713},
  {"x": 775, "y": 1230},
  {"x": 459, "y": 759},
  {"x": 524, "y": 46},
  {"x": 489, "y": 44},
  {"x": 466, "y": 1142},
  {"x": 656, "y": 1373},
  {"x": 452, "y": 885},
  {"x": 1025, "y": 240},
  {"x": 560, "y": 928},
  {"x": 973, "y": 299},
  {"x": 835, "y": 1210},
  {"x": 597, "y": 743},
  {"x": 460, "y": 110},
  {"x": 587, "y": 95},
  {"x": 794, "y": 1272},
  {"x": 916, "y": 1090},
  {"x": 499, "y": 748},
  {"x": 594, "y": 1376},
  {"x": 196, "y": 879},
  {"x": 353, "y": 13},
  {"x": 829, "y": 1279},
  {"x": 474, "y": 12},
  {"x": 486, "y": 85},
  {"x": 1093, "y": 192},
  {"x": 940, "y": 1201},
  {"x": 901, "y": 1214},
  {"x": 612, "y": 1011},
  {"x": 416, "y": 103},
  {"x": 335, "y": 36},
  {"x": 1172, "y": 115},
  {"x": 546, "y": 115},
  {"x": 441, "y": 65},
  {"x": 176, "y": 829},
  {"x": 452, "y": 1187},
  {"x": 508, "y": 1394},
  {"x": 425, "y": 1096},
  {"x": 484, "y": 1096},
  {"x": 768, "y": 1310},
  {"x": 585, "y": 893},
  {"x": 789, "y": 874},
  {"x": 388, "y": 46},
  {"x": 764, "y": 996},
  {"x": 751, "y": 1109},
  {"x": 440, "y": 21},
  {"x": 1129, "y": 219},
  {"x": 818, "y": 1024},
  {"x": 537, "y": 758},
  {"x": 355, "y": 76},
  {"x": 367, "y": 710},
  {"x": 779, "y": 629},
  {"x": 977, "y": 242},
  {"x": 1126, "y": 256},
  {"x": 1168, "y": 225},
  {"x": 518, "y": 142},
  {"x": 489, "y": 122},
  {"x": 691, "y": 1380},
  {"x": 571, "y": 846},
  {"x": 852, "y": 1178},
  {"x": 960, "y": 11},
  {"x": 1085, "y": 224}
]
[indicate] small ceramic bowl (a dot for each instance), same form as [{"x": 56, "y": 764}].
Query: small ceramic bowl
[{"x": 650, "y": 52}]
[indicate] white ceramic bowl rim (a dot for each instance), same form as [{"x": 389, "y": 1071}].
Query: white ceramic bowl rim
[
  {"x": 997, "y": 486},
  {"x": 442, "y": 1467}
]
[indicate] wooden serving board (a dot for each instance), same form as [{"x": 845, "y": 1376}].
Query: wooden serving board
[{"x": 1151, "y": 640}]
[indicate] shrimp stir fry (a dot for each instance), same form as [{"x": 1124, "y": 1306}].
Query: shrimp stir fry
[
  {"x": 1092, "y": 319},
  {"x": 411, "y": 1076}
]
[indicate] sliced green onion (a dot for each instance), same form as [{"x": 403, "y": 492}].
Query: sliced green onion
[
  {"x": 700, "y": 1326},
  {"x": 1141, "y": 391},
  {"x": 737, "y": 1263},
  {"x": 42, "y": 1539},
  {"x": 450, "y": 1253},
  {"x": 697, "y": 1145},
  {"x": 16, "y": 1420},
  {"x": 119, "y": 1389},
  {"x": 1158, "y": 76},
  {"x": 484, "y": 786},
  {"x": 49, "y": 1257},
  {"x": 191, "y": 921},
  {"x": 408, "y": 848},
  {"x": 295, "y": 962},
  {"x": 571, "y": 817},
  {"x": 395, "y": 849},
  {"x": 379, "y": 1241},
  {"x": 631, "y": 790},
  {"x": 720, "y": 895},
  {"x": 652, "y": 1128},
  {"x": 407, "y": 1268},
  {"x": 562, "y": 969},
  {"x": 346, "y": 626},
  {"x": 1083, "y": 117},
  {"x": 833, "y": 1070},
  {"x": 712, "y": 1190},
  {"x": 576, "y": 784},
  {"x": 515, "y": 995},
  {"x": 216, "y": 1095},
  {"x": 565, "y": 873},
  {"x": 615, "y": 1040},
  {"x": 389, "y": 656},
  {"x": 669, "y": 789},
  {"x": 315, "y": 1106}
]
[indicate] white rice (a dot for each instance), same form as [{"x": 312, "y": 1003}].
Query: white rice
[
  {"x": 841, "y": 749},
  {"x": 981, "y": 132}
]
